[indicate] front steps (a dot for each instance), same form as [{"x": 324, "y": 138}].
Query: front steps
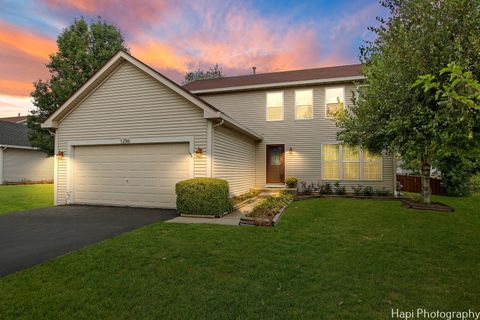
[{"x": 271, "y": 191}]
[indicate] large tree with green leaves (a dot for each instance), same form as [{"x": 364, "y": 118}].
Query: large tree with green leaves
[
  {"x": 420, "y": 37},
  {"x": 83, "y": 48}
]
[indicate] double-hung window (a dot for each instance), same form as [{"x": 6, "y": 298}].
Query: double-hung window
[
  {"x": 372, "y": 166},
  {"x": 330, "y": 161},
  {"x": 303, "y": 104},
  {"x": 334, "y": 100},
  {"x": 344, "y": 162},
  {"x": 351, "y": 162},
  {"x": 275, "y": 106}
]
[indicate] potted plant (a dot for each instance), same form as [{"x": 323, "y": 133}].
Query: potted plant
[{"x": 291, "y": 182}]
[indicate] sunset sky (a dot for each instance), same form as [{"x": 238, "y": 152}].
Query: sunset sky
[{"x": 177, "y": 36}]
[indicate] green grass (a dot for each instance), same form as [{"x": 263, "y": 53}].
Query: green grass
[
  {"x": 23, "y": 197},
  {"x": 326, "y": 259}
]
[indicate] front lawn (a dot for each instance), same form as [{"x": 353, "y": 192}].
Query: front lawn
[
  {"x": 326, "y": 259},
  {"x": 23, "y": 197}
]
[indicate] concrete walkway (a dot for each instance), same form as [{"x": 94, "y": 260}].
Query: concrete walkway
[{"x": 231, "y": 219}]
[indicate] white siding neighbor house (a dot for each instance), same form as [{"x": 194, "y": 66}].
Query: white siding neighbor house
[
  {"x": 129, "y": 134},
  {"x": 19, "y": 161}
]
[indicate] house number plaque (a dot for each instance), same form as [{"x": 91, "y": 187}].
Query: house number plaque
[{"x": 124, "y": 140}]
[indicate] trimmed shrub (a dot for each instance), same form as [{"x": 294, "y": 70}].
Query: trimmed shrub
[{"x": 203, "y": 196}]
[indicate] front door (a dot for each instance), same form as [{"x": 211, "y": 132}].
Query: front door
[{"x": 275, "y": 163}]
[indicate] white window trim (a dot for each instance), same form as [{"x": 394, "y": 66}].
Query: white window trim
[
  {"x": 340, "y": 165},
  {"x": 295, "y": 102},
  {"x": 325, "y": 99},
  {"x": 266, "y": 105}
]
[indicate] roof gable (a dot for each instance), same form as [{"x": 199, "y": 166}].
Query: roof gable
[{"x": 210, "y": 112}]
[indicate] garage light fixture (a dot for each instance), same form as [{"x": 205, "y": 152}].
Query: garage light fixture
[
  {"x": 198, "y": 152},
  {"x": 290, "y": 150},
  {"x": 60, "y": 155}
]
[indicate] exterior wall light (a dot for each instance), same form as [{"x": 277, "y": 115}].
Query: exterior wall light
[
  {"x": 198, "y": 152},
  {"x": 60, "y": 155},
  {"x": 290, "y": 150}
]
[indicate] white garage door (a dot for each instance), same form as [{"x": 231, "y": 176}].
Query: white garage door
[{"x": 130, "y": 175}]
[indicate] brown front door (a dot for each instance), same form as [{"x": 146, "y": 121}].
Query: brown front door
[{"x": 275, "y": 163}]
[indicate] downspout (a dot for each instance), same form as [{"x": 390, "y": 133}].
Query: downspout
[
  {"x": 53, "y": 133},
  {"x": 2, "y": 148},
  {"x": 211, "y": 148},
  {"x": 219, "y": 124}
]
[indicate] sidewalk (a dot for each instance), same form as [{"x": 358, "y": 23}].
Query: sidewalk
[{"x": 231, "y": 219}]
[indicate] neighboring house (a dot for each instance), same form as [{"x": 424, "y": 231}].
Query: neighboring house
[
  {"x": 19, "y": 161},
  {"x": 129, "y": 134},
  {"x": 17, "y": 119}
]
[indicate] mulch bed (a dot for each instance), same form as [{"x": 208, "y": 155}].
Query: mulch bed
[
  {"x": 263, "y": 221},
  {"x": 348, "y": 196},
  {"x": 434, "y": 206}
]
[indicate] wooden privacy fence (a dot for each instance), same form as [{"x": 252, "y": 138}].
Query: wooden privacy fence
[{"x": 413, "y": 184}]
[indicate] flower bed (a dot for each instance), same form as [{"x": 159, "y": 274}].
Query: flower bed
[
  {"x": 268, "y": 211},
  {"x": 244, "y": 198}
]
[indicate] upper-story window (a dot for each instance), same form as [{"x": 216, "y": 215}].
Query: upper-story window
[
  {"x": 304, "y": 104},
  {"x": 334, "y": 100},
  {"x": 275, "y": 106}
]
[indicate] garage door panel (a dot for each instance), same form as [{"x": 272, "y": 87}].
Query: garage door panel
[{"x": 135, "y": 175}]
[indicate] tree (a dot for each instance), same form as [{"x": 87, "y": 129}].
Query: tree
[
  {"x": 83, "y": 48},
  {"x": 456, "y": 88},
  {"x": 420, "y": 37},
  {"x": 214, "y": 72}
]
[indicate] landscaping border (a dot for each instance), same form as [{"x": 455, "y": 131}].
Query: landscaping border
[
  {"x": 434, "y": 206},
  {"x": 255, "y": 221},
  {"x": 347, "y": 196}
]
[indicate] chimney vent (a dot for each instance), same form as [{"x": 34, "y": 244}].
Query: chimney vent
[{"x": 254, "y": 69}]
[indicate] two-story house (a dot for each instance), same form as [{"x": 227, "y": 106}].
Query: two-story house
[{"x": 129, "y": 134}]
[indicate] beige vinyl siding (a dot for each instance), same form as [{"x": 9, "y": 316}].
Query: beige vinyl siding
[
  {"x": 131, "y": 104},
  {"x": 234, "y": 159},
  {"x": 26, "y": 165},
  {"x": 304, "y": 136}
]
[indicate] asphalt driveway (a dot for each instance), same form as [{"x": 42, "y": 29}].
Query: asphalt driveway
[{"x": 31, "y": 237}]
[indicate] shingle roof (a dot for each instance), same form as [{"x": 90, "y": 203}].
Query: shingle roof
[
  {"x": 14, "y": 134},
  {"x": 14, "y": 119},
  {"x": 277, "y": 77}
]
